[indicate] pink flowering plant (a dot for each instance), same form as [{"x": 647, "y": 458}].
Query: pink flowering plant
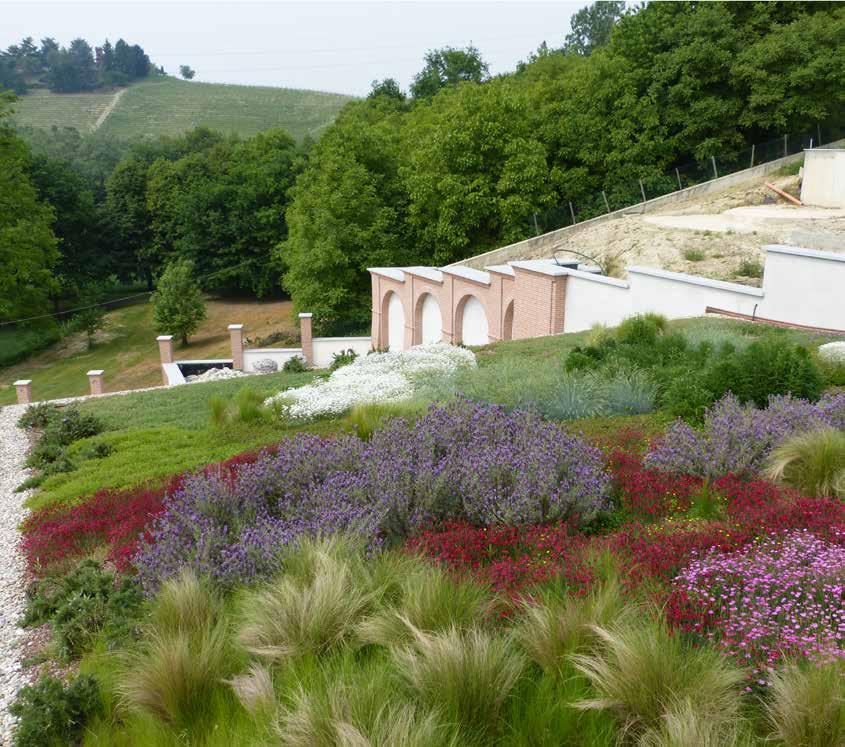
[{"x": 780, "y": 596}]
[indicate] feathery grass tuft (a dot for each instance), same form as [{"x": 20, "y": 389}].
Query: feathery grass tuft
[
  {"x": 255, "y": 690},
  {"x": 468, "y": 675},
  {"x": 807, "y": 706},
  {"x": 812, "y": 462},
  {"x": 184, "y": 603}
]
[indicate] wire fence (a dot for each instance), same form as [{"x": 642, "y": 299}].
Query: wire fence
[{"x": 634, "y": 192}]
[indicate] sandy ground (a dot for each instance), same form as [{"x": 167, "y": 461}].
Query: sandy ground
[{"x": 712, "y": 235}]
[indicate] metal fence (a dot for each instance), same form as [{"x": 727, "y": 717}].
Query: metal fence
[{"x": 634, "y": 192}]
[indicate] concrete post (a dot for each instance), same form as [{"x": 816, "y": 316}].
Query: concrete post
[
  {"x": 24, "y": 390},
  {"x": 165, "y": 351},
  {"x": 236, "y": 336},
  {"x": 95, "y": 381},
  {"x": 307, "y": 341}
]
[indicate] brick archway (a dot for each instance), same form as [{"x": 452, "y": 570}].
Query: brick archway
[
  {"x": 428, "y": 319},
  {"x": 393, "y": 316},
  {"x": 472, "y": 321},
  {"x": 507, "y": 322}
]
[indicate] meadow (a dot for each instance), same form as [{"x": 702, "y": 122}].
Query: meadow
[{"x": 631, "y": 535}]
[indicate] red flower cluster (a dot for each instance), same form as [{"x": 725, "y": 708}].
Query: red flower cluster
[
  {"x": 509, "y": 558},
  {"x": 649, "y": 494},
  {"x": 112, "y": 518}
]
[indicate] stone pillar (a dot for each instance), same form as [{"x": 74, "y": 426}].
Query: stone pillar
[
  {"x": 95, "y": 381},
  {"x": 236, "y": 336},
  {"x": 307, "y": 341},
  {"x": 165, "y": 351},
  {"x": 24, "y": 390}
]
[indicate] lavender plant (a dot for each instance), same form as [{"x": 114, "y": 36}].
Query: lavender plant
[
  {"x": 738, "y": 438},
  {"x": 459, "y": 461}
]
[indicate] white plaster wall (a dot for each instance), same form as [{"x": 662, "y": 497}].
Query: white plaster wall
[
  {"x": 280, "y": 355},
  {"x": 804, "y": 288},
  {"x": 395, "y": 324},
  {"x": 326, "y": 347},
  {"x": 823, "y": 183},
  {"x": 432, "y": 320},
  {"x": 678, "y": 296},
  {"x": 474, "y": 328},
  {"x": 590, "y": 302}
]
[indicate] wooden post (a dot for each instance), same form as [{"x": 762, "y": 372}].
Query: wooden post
[
  {"x": 752, "y": 155},
  {"x": 572, "y": 213},
  {"x": 24, "y": 391},
  {"x": 678, "y": 174},
  {"x": 606, "y": 203},
  {"x": 713, "y": 161},
  {"x": 785, "y": 146},
  {"x": 642, "y": 189},
  {"x": 95, "y": 381}
]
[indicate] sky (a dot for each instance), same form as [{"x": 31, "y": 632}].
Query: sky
[{"x": 327, "y": 46}]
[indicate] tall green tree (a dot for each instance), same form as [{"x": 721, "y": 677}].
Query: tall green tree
[
  {"x": 591, "y": 26},
  {"x": 448, "y": 67},
  {"x": 27, "y": 244},
  {"x": 178, "y": 306}
]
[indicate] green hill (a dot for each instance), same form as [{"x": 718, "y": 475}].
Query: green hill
[{"x": 169, "y": 106}]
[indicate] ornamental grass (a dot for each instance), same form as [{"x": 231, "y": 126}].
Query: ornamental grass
[{"x": 812, "y": 463}]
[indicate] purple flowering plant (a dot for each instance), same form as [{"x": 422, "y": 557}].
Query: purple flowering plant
[
  {"x": 737, "y": 439},
  {"x": 461, "y": 461}
]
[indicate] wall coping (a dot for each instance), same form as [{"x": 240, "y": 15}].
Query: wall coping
[
  {"x": 824, "y": 149},
  {"x": 501, "y": 270},
  {"x": 199, "y": 360},
  {"x": 394, "y": 273},
  {"x": 603, "y": 279},
  {"x": 164, "y": 338},
  {"x": 272, "y": 350},
  {"x": 799, "y": 251},
  {"x": 96, "y": 372},
  {"x": 236, "y": 326},
  {"x": 468, "y": 273},
  {"x": 697, "y": 280},
  {"x": 429, "y": 273},
  {"x": 22, "y": 382},
  {"x": 337, "y": 339}
]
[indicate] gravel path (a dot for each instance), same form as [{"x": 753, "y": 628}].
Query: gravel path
[{"x": 13, "y": 448}]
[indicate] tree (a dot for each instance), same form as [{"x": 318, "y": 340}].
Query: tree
[
  {"x": 186, "y": 72},
  {"x": 90, "y": 319},
  {"x": 27, "y": 243},
  {"x": 388, "y": 87},
  {"x": 448, "y": 67},
  {"x": 591, "y": 26},
  {"x": 178, "y": 306}
]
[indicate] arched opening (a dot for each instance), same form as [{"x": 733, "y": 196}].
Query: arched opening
[
  {"x": 428, "y": 326},
  {"x": 507, "y": 322},
  {"x": 471, "y": 322},
  {"x": 395, "y": 323}
]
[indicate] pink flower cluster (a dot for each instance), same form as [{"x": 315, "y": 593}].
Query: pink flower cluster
[{"x": 781, "y": 596}]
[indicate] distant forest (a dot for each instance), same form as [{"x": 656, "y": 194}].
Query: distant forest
[{"x": 72, "y": 69}]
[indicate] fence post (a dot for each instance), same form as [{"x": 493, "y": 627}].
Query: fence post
[
  {"x": 785, "y": 146},
  {"x": 536, "y": 227},
  {"x": 95, "y": 381},
  {"x": 306, "y": 341},
  {"x": 24, "y": 391},
  {"x": 678, "y": 174},
  {"x": 642, "y": 189},
  {"x": 572, "y": 212},
  {"x": 752, "y": 155},
  {"x": 713, "y": 161},
  {"x": 811, "y": 143},
  {"x": 819, "y": 132},
  {"x": 606, "y": 203}
]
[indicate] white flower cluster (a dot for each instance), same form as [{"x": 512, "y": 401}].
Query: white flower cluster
[
  {"x": 378, "y": 377},
  {"x": 834, "y": 352},
  {"x": 214, "y": 374}
]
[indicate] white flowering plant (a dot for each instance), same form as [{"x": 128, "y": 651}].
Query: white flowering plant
[
  {"x": 833, "y": 352},
  {"x": 377, "y": 377}
]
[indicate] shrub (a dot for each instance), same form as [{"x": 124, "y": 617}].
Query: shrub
[
  {"x": 296, "y": 364},
  {"x": 630, "y": 393},
  {"x": 738, "y": 438},
  {"x": 750, "y": 268},
  {"x": 52, "y": 714},
  {"x": 813, "y": 463},
  {"x": 805, "y": 705},
  {"x": 639, "y": 669},
  {"x": 693, "y": 255},
  {"x": 61, "y": 430},
  {"x": 342, "y": 358},
  {"x": 687, "y": 398},
  {"x": 467, "y": 675},
  {"x": 39, "y": 415},
  {"x": 642, "y": 329}
]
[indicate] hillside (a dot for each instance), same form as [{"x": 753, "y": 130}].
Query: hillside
[{"x": 169, "y": 106}]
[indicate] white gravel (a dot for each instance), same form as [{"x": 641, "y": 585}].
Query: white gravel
[{"x": 13, "y": 449}]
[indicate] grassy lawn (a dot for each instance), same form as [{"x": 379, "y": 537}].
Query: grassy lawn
[
  {"x": 128, "y": 352},
  {"x": 168, "y": 106}
]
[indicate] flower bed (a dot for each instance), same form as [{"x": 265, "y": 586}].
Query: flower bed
[
  {"x": 459, "y": 462},
  {"x": 779, "y": 596},
  {"x": 378, "y": 377}
]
